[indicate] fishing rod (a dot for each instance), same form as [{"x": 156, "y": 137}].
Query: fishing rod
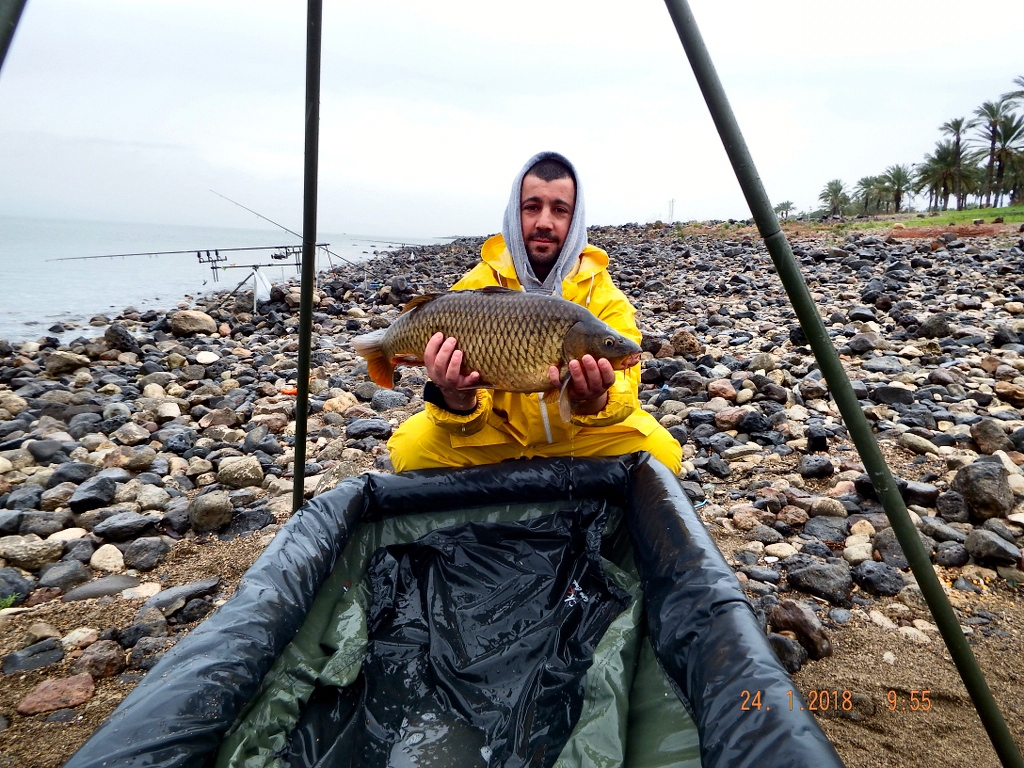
[
  {"x": 190, "y": 250},
  {"x": 282, "y": 226}
]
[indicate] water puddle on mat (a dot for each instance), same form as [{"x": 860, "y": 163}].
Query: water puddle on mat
[{"x": 438, "y": 740}]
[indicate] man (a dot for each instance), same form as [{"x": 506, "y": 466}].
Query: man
[{"x": 543, "y": 248}]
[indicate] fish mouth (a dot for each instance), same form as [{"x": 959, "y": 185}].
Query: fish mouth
[{"x": 627, "y": 362}]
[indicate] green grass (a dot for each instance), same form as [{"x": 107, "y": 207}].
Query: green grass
[
  {"x": 1011, "y": 215},
  {"x": 6, "y": 602}
]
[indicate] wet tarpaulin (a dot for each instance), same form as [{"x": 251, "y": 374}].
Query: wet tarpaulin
[
  {"x": 479, "y": 639},
  {"x": 702, "y": 628}
]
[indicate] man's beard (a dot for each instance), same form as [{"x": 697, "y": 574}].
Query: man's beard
[{"x": 542, "y": 239}]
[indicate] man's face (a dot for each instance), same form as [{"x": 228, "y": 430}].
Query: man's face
[{"x": 546, "y": 210}]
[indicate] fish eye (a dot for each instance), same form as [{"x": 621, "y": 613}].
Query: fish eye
[{"x": 609, "y": 342}]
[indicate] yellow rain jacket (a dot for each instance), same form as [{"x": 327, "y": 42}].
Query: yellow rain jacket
[{"x": 526, "y": 417}]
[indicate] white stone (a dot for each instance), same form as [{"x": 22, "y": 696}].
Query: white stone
[
  {"x": 915, "y": 635},
  {"x": 107, "y": 558},
  {"x": 924, "y": 626},
  {"x": 143, "y": 591},
  {"x": 68, "y": 534},
  {"x": 857, "y": 553},
  {"x": 879, "y": 618},
  {"x": 79, "y": 638},
  {"x": 781, "y": 550},
  {"x": 154, "y": 391},
  {"x": 206, "y": 357},
  {"x": 5, "y": 466},
  {"x": 889, "y": 658}
]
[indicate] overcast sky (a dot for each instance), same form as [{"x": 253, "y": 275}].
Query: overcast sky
[{"x": 120, "y": 110}]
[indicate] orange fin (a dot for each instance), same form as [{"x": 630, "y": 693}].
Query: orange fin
[
  {"x": 419, "y": 301},
  {"x": 379, "y": 367}
]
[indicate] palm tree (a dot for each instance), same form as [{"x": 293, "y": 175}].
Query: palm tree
[
  {"x": 784, "y": 208},
  {"x": 865, "y": 187},
  {"x": 834, "y": 196},
  {"x": 956, "y": 128},
  {"x": 989, "y": 114},
  {"x": 1010, "y": 142},
  {"x": 899, "y": 181},
  {"x": 1017, "y": 95},
  {"x": 938, "y": 174}
]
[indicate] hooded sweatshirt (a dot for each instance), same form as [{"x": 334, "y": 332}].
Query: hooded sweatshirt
[{"x": 512, "y": 231}]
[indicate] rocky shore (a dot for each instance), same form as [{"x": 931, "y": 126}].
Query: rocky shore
[{"x": 142, "y": 470}]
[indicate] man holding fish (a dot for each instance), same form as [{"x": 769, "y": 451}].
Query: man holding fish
[{"x": 535, "y": 352}]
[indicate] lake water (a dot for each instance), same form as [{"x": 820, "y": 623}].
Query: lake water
[{"x": 36, "y": 292}]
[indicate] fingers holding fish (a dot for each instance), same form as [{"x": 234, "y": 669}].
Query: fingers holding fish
[{"x": 443, "y": 361}]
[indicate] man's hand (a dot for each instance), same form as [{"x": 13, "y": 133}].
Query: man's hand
[
  {"x": 443, "y": 361},
  {"x": 589, "y": 381}
]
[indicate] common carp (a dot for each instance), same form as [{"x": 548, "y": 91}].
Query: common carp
[{"x": 510, "y": 337}]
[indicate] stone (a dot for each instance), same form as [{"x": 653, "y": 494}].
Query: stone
[
  {"x": 175, "y": 598},
  {"x": 951, "y": 554},
  {"x": 985, "y": 489},
  {"x": 935, "y": 326},
  {"x": 13, "y": 586},
  {"x": 124, "y": 526},
  {"x": 30, "y": 552},
  {"x": 878, "y": 578},
  {"x": 815, "y": 467},
  {"x": 79, "y": 638},
  {"x": 148, "y": 651},
  {"x": 108, "y": 585},
  {"x": 242, "y": 472},
  {"x": 92, "y": 494},
  {"x": 989, "y": 436},
  {"x": 25, "y": 497},
  {"x": 145, "y": 553},
  {"x": 118, "y": 337},
  {"x": 37, "y": 631},
  {"x": 73, "y": 472},
  {"x": 918, "y": 445},
  {"x": 781, "y": 550},
  {"x": 61, "y": 693},
  {"x": 791, "y": 654},
  {"x": 195, "y": 609},
  {"x": 914, "y": 635},
  {"x": 824, "y": 506},
  {"x": 362, "y": 428},
  {"x": 43, "y": 524},
  {"x": 65, "y": 362},
  {"x": 803, "y": 622},
  {"x": 41, "y": 654},
  {"x": 210, "y": 511},
  {"x": 186, "y": 322},
  {"x": 64, "y": 575},
  {"x": 130, "y": 434},
  {"x": 108, "y": 559},
  {"x": 828, "y": 581},
  {"x": 831, "y": 530},
  {"x": 991, "y": 549},
  {"x": 104, "y": 658}
]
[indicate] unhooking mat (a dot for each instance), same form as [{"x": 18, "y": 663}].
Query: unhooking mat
[{"x": 472, "y": 645}]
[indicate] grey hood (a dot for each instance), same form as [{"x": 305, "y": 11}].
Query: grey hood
[{"x": 512, "y": 231}]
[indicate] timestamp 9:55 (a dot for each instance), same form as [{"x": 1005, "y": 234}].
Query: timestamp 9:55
[{"x": 918, "y": 701}]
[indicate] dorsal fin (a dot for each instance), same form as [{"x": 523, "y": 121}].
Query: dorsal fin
[
  {"x": 419, "y": 301},
  {"x": 496, "y": 289}
]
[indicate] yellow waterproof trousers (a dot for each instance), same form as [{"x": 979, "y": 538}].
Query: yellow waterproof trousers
[{"x": 420, "y": 444}]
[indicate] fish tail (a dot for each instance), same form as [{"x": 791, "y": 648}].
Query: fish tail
[{"x": 377, "y": 364}]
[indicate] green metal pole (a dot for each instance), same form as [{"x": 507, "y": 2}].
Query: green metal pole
[
  {"x": 828, "y": 360},
  {"x": 314, "y": 18},
  {"x": 10, "y": 12}
]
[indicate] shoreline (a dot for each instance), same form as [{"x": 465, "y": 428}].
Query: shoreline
[{"x": 149, "y": 457}]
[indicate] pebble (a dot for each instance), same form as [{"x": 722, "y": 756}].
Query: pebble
[{"x": 60, "y": 693}]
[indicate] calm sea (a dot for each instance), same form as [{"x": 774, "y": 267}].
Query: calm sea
[{"x": 36, "y": 292}]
